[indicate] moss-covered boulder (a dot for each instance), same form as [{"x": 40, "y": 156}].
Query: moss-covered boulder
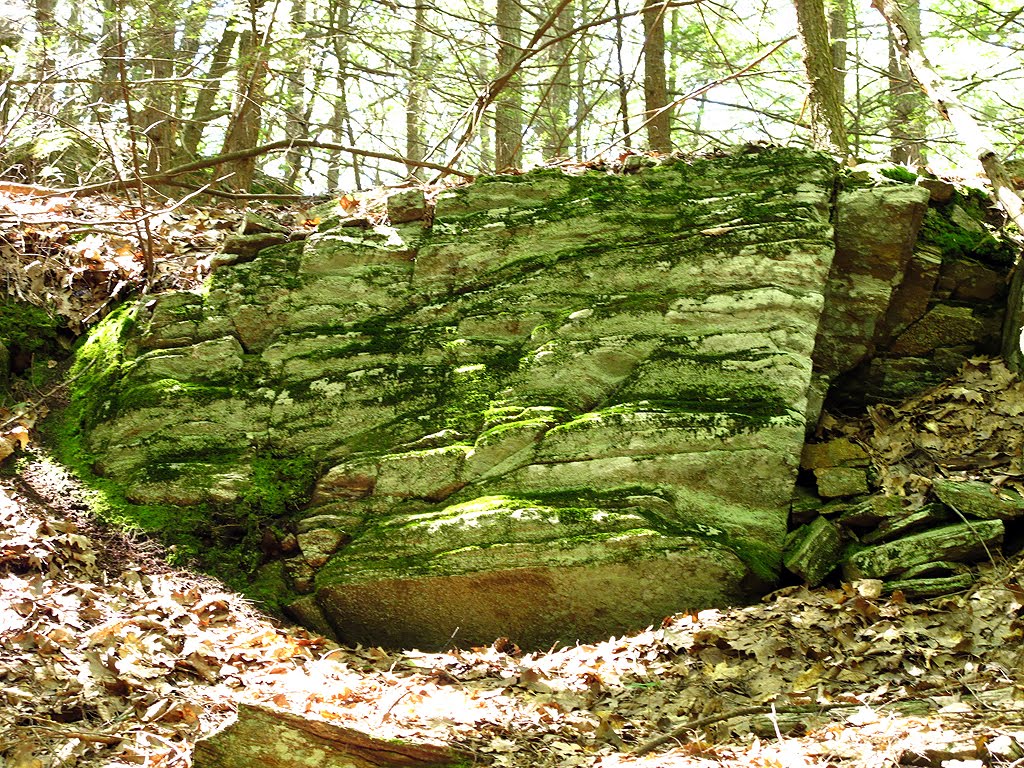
[{"x": 559, "y": 407}]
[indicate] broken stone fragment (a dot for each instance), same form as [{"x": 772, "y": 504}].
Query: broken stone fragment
[
  {"x": 980, "y": 500},
  {"x": 335, "y": 522},
  {"x": 841, "y": 481},
  {"x": 319, "y": 544},
  {"x": 247, "y": 246},
  {"x": 935, "y": 587},
  {"x": 803, "y": 507},
  {"x": 198, "y": 361},
  {"x": 935, "y": 569},
  {"x": 301, "y": 574},
  {"x": 408, "y": 205},
  {"x": 834, "y": 453},
  {"x": 944, "y": 326},
  {"x": 345, "y": 481},
  {"x": 895, "y": 527},
  {"x": 966, "y": 280},
  {"x": 307, "y": 612},
  {"x": 962, "y": 542},
  {"x": 274, "y": 738},
  {"x": 938, "y": 190},
  {"x": 254, "y": 223},
  {"x": 432, "y": 474},
  {"x": 873, "y": 511},
  {"x": 813, "y": 550}
]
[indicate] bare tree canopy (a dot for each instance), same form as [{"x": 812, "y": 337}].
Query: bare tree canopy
[{"x": 93, "y": 94}]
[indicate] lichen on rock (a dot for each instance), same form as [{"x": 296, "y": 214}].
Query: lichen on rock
[{"x": 562, "y": 407}]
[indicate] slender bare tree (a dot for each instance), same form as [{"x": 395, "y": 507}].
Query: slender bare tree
[
  {"x": 828, "y": 130},
  {"x": 658, "y": 113}
]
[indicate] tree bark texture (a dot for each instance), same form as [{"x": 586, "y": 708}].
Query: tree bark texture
[
  {"x": 828, "y": 131},
  {"x": 44, "y": 63},
  {"x": 206, "y": 99},
  {"x": 906, "y": 137},
  {"x": 243, "y": 130},
  {"x": 839, "y": 28},
  {"x": 508, "y": 107},
  {"x": 658, "y": 114},
  {"x": 340, "y": 11},
  {"x": 157, "y": 119},
  {"x": 297, "y": 106},
  {"x": 415, "y": 100},
  {"x": 555, "y": 105},
  {"x": 272, "y": 739},
  {"x": 620, "y": 81}
]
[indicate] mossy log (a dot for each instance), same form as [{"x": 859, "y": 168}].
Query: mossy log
[{"x": 273, "y": 739}]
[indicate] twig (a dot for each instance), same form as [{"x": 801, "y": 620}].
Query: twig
[
  {"x": 981, "y": 541},
  {"x": 760, "y": 709},
  {"x": 95, "y": 738}
]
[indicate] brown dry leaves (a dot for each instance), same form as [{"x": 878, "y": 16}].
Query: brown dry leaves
[
  {"x": 116, "y": 669},
  {"x": 73, "y": 256},
  {"x": 971, "y": 426},
  {"x": 128, "y": 668}
]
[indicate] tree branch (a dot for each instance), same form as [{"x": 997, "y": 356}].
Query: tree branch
[
  {"x": 263, "y": 149},
  {"x": 949, "y": 107}
]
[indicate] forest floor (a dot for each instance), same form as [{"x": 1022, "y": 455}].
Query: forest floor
[{"x": 108, "y": 657}]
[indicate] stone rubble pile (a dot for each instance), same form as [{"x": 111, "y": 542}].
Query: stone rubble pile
[{"x": 920, "y": 549}]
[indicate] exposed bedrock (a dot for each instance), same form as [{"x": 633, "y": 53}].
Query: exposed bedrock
[{"x": 561, "y": 407}]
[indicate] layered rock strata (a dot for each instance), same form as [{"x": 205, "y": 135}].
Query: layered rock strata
[{"x": 554, "y": 408}]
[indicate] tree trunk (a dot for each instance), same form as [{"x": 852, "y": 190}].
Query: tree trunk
[
  {"x": 486, "y": 130},
  {"x": 157, "y": 120},
  {"x": 9, "y": 38},
  {"x": 828, "y": 131},
  {"x": 273, "y": 739},
  {"x": 296, "y": 122},
  {"x": 44, "y": 63},
  {"x": 340, "y": 10},
  {"x": 246, "y": 119},
  {"x": 206, "y": 99},
  {"x": 620, "y": 79},
  {"x": 583, "y": 57},
  {"x": 554, "y": 110},
  {"x": 104, "y": 92},
  {"x": 508, "y": 107},
  {"x": 839, "y": 29},
  {"x": 907, "y": 138},
  {"x": 415, "y": 144},
  {"x": 658, "y": 115}
]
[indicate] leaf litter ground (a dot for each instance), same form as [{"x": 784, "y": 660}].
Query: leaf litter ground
[{"x": 110, "y": 658}]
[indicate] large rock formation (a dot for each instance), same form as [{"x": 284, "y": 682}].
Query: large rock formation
[{"x": 557, "y": 407}]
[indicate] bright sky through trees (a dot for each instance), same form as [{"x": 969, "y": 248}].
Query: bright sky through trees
[{"x": 90, "y": 89}]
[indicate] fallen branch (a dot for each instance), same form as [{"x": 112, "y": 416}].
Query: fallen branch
[
  {"x": 908, "y": 43},
  {"x": 274, "y": 146},
  {"x": 275, "y": 739}
]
